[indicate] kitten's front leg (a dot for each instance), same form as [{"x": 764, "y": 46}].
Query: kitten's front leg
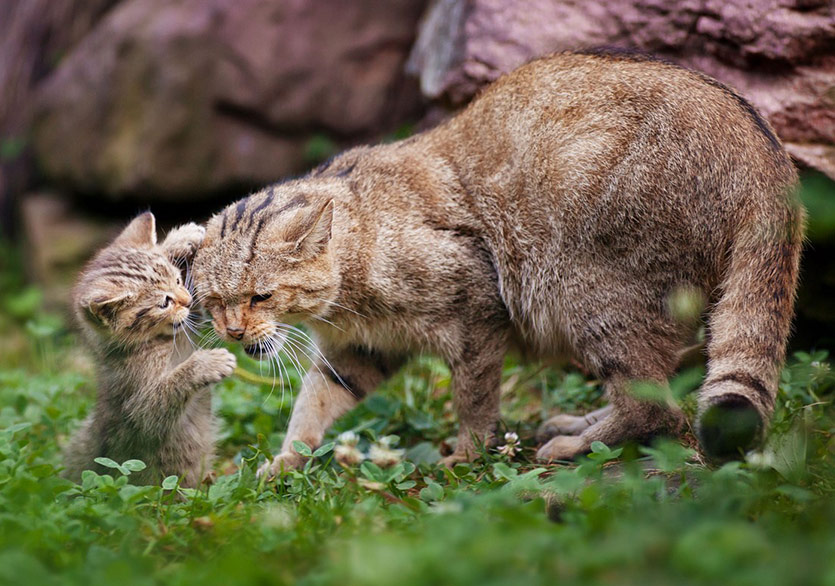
[
  {"x": 327, "y": 394},
  {"x": 158, "y": 405},
  {"x": 181, "y": 243}
]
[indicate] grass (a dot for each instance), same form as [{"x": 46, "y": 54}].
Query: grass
[{"x": 650, "y": 515}]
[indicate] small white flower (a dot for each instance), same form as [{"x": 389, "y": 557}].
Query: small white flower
[
  {"x": 384, "y": 456},
  {"x": 388, "y": 441},
  {"x": 348, "y": 438},
  {"x": 348, "y": 455},
  {"x": 511, "y": 446}
]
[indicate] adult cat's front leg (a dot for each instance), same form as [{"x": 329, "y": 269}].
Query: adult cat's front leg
[
  {"x": 476, "y": 377},
  {"x": 327, "y": 393}
]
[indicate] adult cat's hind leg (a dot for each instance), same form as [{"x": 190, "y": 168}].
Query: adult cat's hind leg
[
  {"x": 630, "y": 418},
  {"x": 565, "y": 424}
]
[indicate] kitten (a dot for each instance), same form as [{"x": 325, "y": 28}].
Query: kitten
[
  {"x": 562, "y": 212},
  {"x": 153, "y": 401}
]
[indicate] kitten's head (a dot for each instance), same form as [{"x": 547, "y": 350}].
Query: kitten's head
[
  {"x": 267, "y": 260},
  {"x": 131, "y": 292}
]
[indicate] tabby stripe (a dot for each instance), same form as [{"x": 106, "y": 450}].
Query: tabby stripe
[
  {"x": 267, "y": 201},
  {"x": 139, "y": 315},
  {"x": 223, "y": 226},
  {"x": 239, "y": 212},
  {"x": 297, "y": 202},
  {"x": 346, "y": 171},
  {"x": 255, "y": 237},
  {"x": 346, "y": 384},
  {"x": 746, "y": 380},
  {"x": 119, "y": 273}
]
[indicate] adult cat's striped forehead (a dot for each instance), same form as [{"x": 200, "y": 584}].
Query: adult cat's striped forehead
[
  {"x": 252, "y": 236},
  {"x": 266, "y": 257}
]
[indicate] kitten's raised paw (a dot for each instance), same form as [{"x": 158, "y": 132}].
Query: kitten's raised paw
[
  {"x": 215, "y": 365},
  {"x": 183, "y": 242},
  {"x": 284, "y": 461},
  {"x": 562, "y": 447}
]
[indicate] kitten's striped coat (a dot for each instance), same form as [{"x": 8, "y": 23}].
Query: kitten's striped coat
[{"x": 153, "y": 400}]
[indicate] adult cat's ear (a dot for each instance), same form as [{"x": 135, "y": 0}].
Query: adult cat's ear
[
  {"x": 315, "y": 231},
  {"x": 103, "y": 309},
  {"x": 142, "y": 231}
]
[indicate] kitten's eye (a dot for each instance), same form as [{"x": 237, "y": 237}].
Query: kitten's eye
[
  {"x": 179, "y": 281},
  {"x": 259, "y": 298},
  {"x": 166, "y": 302}
]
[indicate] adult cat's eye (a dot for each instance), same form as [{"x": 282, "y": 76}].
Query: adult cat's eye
[
  {"x": 166, "y": 302},
  {"x": 260, "y": 298}
]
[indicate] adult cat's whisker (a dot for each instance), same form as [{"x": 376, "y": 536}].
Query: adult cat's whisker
[
  {"x": 327, "y": 321},
  {"x": 304, "y": 337},
  {"x": 339, "y": 305},
  {"x": 316, "y": 366},
  {"x": 311, "y": 345},
  {"x": 294, "y": 358}
]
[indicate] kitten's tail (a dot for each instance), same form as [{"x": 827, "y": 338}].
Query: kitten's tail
[{"x": 748, "y": 329}]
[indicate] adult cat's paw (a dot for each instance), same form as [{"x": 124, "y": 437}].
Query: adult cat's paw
[
  {"x": 562, "y": 447},
  {"x": 562, "y": 424},
  {"x": 284, "y": 461},
  {"x": 214, "y": 365},
  {"x": 183, "y": 242}
]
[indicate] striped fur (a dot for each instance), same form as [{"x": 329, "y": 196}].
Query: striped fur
[
  {"x": 153, "y": 401},
  {"x": 563, "y": 212}
]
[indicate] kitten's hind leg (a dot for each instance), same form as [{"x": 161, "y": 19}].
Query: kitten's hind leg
[{"x": 564, "y": 424}]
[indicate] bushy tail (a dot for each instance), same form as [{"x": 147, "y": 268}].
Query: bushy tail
[{"x": 748, "y": 330}]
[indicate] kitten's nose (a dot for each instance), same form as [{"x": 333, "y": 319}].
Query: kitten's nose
[
  {"x": 236, "y": 333},
  {"x": 184, "y": 298}
]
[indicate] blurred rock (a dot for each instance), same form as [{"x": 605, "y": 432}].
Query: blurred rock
[
  {"x": 58, "y": 241},
  {"x": 178, "y": 99},
  {"x": 780, "y": 54},
  {"x": 33, "y": 36}
]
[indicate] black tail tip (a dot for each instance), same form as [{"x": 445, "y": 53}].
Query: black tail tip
[{"x": 730, "y": 427}]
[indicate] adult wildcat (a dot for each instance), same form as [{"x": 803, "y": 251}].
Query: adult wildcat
[
  {"x": 153, "y": 402},
  {"x": 559, "y": 212}
]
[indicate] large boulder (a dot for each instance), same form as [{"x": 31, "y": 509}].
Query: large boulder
[
  {"x": 780, "y": 54},
  {"x": 178, "y": 99}
]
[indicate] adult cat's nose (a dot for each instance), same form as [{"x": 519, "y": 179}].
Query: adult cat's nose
[{"x": 236, "y": 333}]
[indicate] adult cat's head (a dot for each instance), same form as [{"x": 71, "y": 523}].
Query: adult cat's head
[
  {"x": 131, "y": 292},
  {"x": 267, "y": 260}
]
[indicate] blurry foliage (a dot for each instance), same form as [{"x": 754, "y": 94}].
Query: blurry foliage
[
  {"x": 319, "y": 148},
  {"x": 818, "y": 195},
  {"x": 11, "y": 147}
]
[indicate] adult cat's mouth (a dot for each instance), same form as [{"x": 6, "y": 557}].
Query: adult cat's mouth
[
  {"x": 269, "y": 346},
  {"x": 254, "y": 350}
]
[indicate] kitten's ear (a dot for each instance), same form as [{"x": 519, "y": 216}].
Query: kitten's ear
[
  {"x": 102, "y": 310},
  {"x": 142, "y": 231},
  {"x": 316, "y": 232}
]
